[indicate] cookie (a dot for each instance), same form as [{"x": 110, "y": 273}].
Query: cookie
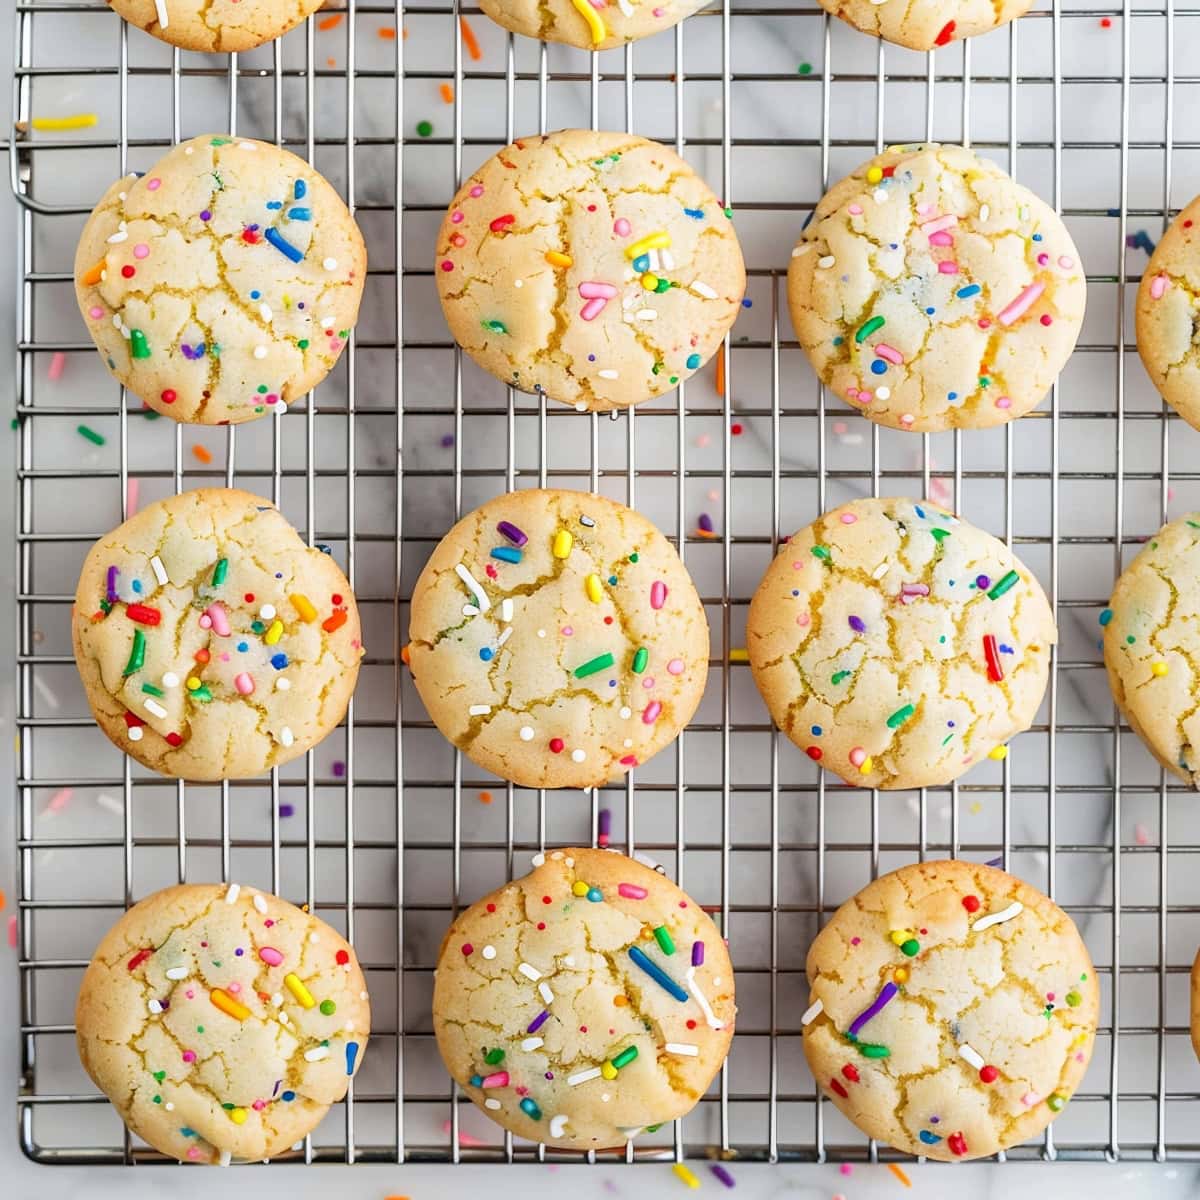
[
  {"x": 952, "y": 1011},
  {"x": 211, "y": 641},
  {"x": 1166, "y": 306},
  {"x": 1151, "y": 645},
  {"x": 556, "y": 639},
  {"x": 223, "y": 283},
  {"x": 585, "y": 1002},
  {"x": 1195, "y": 1006},
  {"x": 594, "y": 267},
  {"x": 926, "y": 24},
  {"x": 897, "y": 645},
  {"x": 590, "y": 27},
  {"x": 221, "y": 26},
  {"x": 221, "y": 1022},
  {"x": 932, "y": 292}
]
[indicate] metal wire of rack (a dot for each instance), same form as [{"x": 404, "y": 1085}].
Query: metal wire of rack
[{"x": 382, "y": 829}]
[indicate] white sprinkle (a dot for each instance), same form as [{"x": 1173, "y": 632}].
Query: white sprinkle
[
  {"x": 627, "y": 743},
  {"x": 491, "y": 1102},
  {"x": 469, "y": 610},
  {"x": 282, "y": 685},
  {"x": 473, "y": 587},
  {"x": 702, "y": 1000},
  {"x": 625, "y": 7},
  {"x": 330, "y": 264},
  {"x": 327, "y": 322},
  {"x": 479, "y": 710},
  {"x": 177, "y": 973},
  {"x": 581, "y": 406},
  {"x": 631, "y": 1131},
  {"x": 531, "y": 1043},
  {"x": 264, "y": 311},
  {"x": 546, "y": 994},
  {"x": 260, "y": 902},
  {"x": 626, "y": 713},
  {"x": 702, "y": 289},
  {"x": 160, "y": 7},
  {"x": 882, "y": 393},
  {"x": 260, "y": 352},
  {"x": 247, "y": 146},
  {"x": 526, "y": 733},
  {"x": 583, "y": 1076},
  {"x": 283, "y": 1019},
  {"x": 687, "y": 1049},
  {"x": 155, "y": 1006},
  {"x": 154, "y": 708},
  {"x": 160, "y": 572},
  {"x": 286, "y": 737},
  {"x": 538, "y": 860},
  {"x": 169, "y": 1106},
  {"x": 879, "y": 195},
  {"x": 881, "y": 570},
  {"x": 232, "y": 895},
  {"x": 578, "y": 755},
  {"x": 135, "y": 734},
  {"x": 314, "y": 938},
  {"x": 647, "y": 861},
  {"x": 666, "y": 259},
  {"x": 605, "y": 1096},
  {"x": 316, "y": 1054},
  {"x": 569, "y": 960},
  {"x": 971, "y": 1055},
  {"x": 646, "y": 314},
  {"x": 541, "y": 633},
  {"x": 812, "y": 1012},
  {"x": 277, "y": 999},
  {"x": 506, "y": 609},
  {"x": 607, "y": 373},
  {"x": 226, "y": 1158},
  {"x": 518, "y": 283},
  {"x": 1005, "y": 914},
  {"x": 267, "y": 612},
  {"x": 121, "y": 235},
  {"x": 489, "y": 952},
  {"x": 530, "y": 972},
  {"x": 504, "y": 637},
  {"x": 984, "y": 212},
  {"x": 826, "y": 262},
  {"x": 557, "y": 1124},
  {"x": 587, "y": 521}
]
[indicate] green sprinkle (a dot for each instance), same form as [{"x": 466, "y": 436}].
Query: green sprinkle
[
  {"x": 1194, "y": 525},
  {"x": 1002, "y": 585},
  {"x": 157, "y": 1099},
  {"x": 159, "y": 1076},
  {"x": 495, "y": 326},
  {"x": 600, "y": 663},
  {"x": 867, "y": 328},
  {"x": 1130, "y": 639},
  {"x": 806, "y": 68},
  {"x": 139, "y": 347},
  {"x": 729, "y": 213},
  {"x": 838, "y": 676},
  {"x": 910, "y": 948},
  {"x": 673, "y": 379},
  {"x": 151, "y": 690},
  {"x": 640, "y": 659},
  {"x": 201, "y": 694},
  {"x": 625, "y": 1057},
  {"x": 199, "y": 1028},
  {"x": 492, "y": 1057},
  {"x": 940, "y": 533},
  {"x": 220, "y": 571},
  {"x": 137, "y": 655},
  {"x": 1074, "y": 999},
  {"x": 663, "y": 285},
  {"x": 654, "y": 370},
  {"x": 97, "y": 439},
  {"x": 821, "y": 552},
  {"x": 1055, "y": 1102},
  {"x": 873, "y": 1050},
  {"x": 633, "y": 557},
  {"x": 900, "y": 716},
  {"x": 424, "y": 128},
  {"x": 220, "y": 141},
  {"x": 303, "y": 343},
  {"x": 948, "y": 738},
  {"x": 662, "y": 935},
  {"x": 328, "y": 1008}
]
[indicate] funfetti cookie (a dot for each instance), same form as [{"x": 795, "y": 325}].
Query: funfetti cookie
[
  {"x": 595, "y": 267},
  {"x": 556, "y": 639},
  {"x": 952, "y": 1011},
  {"x": 211, "y": 641},
  {"x": 222, "y": 1022},
  {"x": 215, "y": 25},
  {"x": 897, "y": 645},
  {"x": 585, "y": 1002},
  {"x": 588, "y": 26},
  {"x": 926, "y": 24},
  {"x": 932, "y": 292},
  {"x": 223, "y": 283}
]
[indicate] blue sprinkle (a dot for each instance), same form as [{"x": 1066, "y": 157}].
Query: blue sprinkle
[
  {"x": 289, "y": 1096},
  {"x": 351, "y": 1055},
  {"x": 283, "y": 245},
  {"x": 476, "y": 1080},
  {"x": 1037, "y": 237},
  {"x": 693, "y": 361},
  {"x": 612, "y": 683},
  {"x": 695, "y": 213},
  {"x": 919, "y": 511},
  {"x": 300, "y": 190},
  {"x": 591, "y": 358},
  {"x": 274, "y": 204},
  {"x": 972, "y": 289},
  {"x": 136, "y": 585},
  {"x": 242, "y": 647},
  {"x": 949, "y": 724},
  {"x": 747, "y": 303},
  {"x": 1106, "y": 616},
  {"x": 278, "y": 574},
  {"x": 1006, "y": 649},
  {"x": 930, "y": 311},
  {"x": 641, "y": 264},
  {"x": 187, "y": 1132},
  {"x": 299, "y": 214},
  {"x": 487, "y": 654},
  {"x": 595, "y": 895},
  {"x": 817, "y": 731},
  {"x": 837, "y": 341},
  {"x": 795, "y": 591},
  {"x": 951, "y": 395},
  {"x": 254, "y": 295},
  {"x": 930, "y": 1139},
  {"x": 878, "y": 367},
  {"x": 508, "y": 554},
  {"x": 279, "y": 661},
  {"x": 612, "y": 581}
]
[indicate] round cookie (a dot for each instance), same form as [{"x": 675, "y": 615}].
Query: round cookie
[
  {"x": 223, "y": 283},
  {"x": 932, "y": 292},
  {"x": 556, "y": 639},
  {"x": 897, "y": 645},
  {"x": 221, "y": 1022},
  {"x": 578, "y": 23},
  {"x": 1166, "y": 308},
  {"x": 1195, "y": 1006},
  {"x": 585, "y": 1002},
  {"x": 215, "y": 25},
  {"x": 211, "y": 641},
  {"x": 926, "y": 24},
  {"x": 1152, "y": 643},
  {"x": 952, "y": 1010},
  {"x": 594, "y": 267}
]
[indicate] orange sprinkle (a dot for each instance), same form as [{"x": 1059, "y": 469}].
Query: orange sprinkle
[
  {"x": 900, "y": 1175},
  {"x": 202, "y": 453},
  {"x": 720, "y": 372},
  {"x": 620, "y": 1001},
  {"x": 202, "y": 656},
  {"x": 447, "y": 93},
  {"x": 387, "y": 33},
  {"x": 468, "y": 37},
  {"x": 331, "y": 62},
  {"x": 330, "y": 22},
  {"x": 405, "y": 656},
  {"x": 485, "y": 797},
  {"x": 92, "y": 277},
  {"x": 3, "y": 899},
  {"x": 334, "y": 622}
]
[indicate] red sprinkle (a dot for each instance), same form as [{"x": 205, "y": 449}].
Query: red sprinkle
[
  {"x": 851, "y": 1072},
  {"x": 500, "y": 223},
  {"x": 1106, "y": 22},
  {"x": 814, "y": 752},
  {"x": 336, "y": 598},
  {"x": 174, "y": 739},
  {"x": 132, "y": 720},
  {"x": 735, "y": 429},
  {"x": 957, "y": 1144},
  {"x": 995, "y": 669},
  {"x": 691, "y": 1024},
  {"x": 467, "y": 948},
  {"x": 556, "y": 745},
  {"x": 546, "y": 900},
  {"x": 251, "y": 236},
  {"x": 971, "y": 903},
  {"x": 989, "y": 1074},
  {"x": 335, "y": 622},
  {"x": 946, "y": 34},
  {"x": 841, "y": 1091},
  {"x": 139, "y": 958},
  {"x": 168, "y": 396},
  {"x": 342, "y": 958},
  {"x": 128, "y": 271},
  {"x": 143, "y": 614},
  {"x": 491, "y": 908}
]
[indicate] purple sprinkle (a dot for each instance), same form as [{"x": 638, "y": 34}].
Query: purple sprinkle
[
  {"x": 275, "y": 1089},
  {"x": 239, "y": 952},
  {"x": 538, "y": 1021},
  {"x": 697, "y": 954},
  {"x": 339, "y": 769},
  {"x": 206, "y": 215},
  {"x": 111, "y": 587},
  {"x": 888, "y": 993},
  {"x": 447, "y": 441},
  {"x": 604, "y": 819},
  {"x": 509, "y": 530},
  {"x": 934, "y": 1120},
  {"x": 982, "y": 582},
  {"x": 858, "y": 625},
  {"x": 286, "y": 810},
  {"x": 706, "y": 523},
  {"x": 722, "y": 1174},
  {"x": 549, "y": 1074},
  {"x": 994, "y": 862}
]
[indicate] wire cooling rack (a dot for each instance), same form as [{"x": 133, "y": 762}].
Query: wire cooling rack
[{"x": 383, "y": 829}]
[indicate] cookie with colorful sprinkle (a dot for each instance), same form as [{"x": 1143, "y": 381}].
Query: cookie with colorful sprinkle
[
  {"x": 597, "y": 268},
  {"x": 953, "y": 1010},
  {"x": 556, "y": 639},
  {"x": 933, "y": 292},
  {"x": 211, "y": 641},
  {"x": 219, "y": 26},
  {"x": 588, "y": 26},
  {"x": 222, "y": 1022},
  {"x": 926, "y": 24},
  {"x": 897, "y": 645},
  {"x": 1152, "y": 645},
  {"x": 584, "y": 1003},
  {"x": 223, "y": 283}
]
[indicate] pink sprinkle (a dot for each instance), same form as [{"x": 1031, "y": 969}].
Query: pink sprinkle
[
  {"x": 854, "y": 941},
  {"x": 1030, "y": 1099},
  {"x": 630, "y": 760},
  {"x": 205, "y": 621},
  {"x": 259, "y": 1105},
  {"x": 1046, "y": 319},
  {"x": 590, "y": 289},
  {"x": 631, "y": 891},
  {"x": 270, "y": 956},
  {"x": 648, "y": 682},
  {"x": 907, "y": 419},
  {"x": 190, "y": 993},
  {"x": 658, "y": 594},
  {"x": 141, "y": 250},
  {"x": 948, "y": 268},
  {"x": 889, "y": 352},
  {"x": 567, "y": 631},
  {"x": 1066, "y": 262},
  {"x": 797, "y": 566},
  {"x": 858, "y": 756},
  {"x": 803, "y": 619},
  {"x": 854, "y": 209},
  {"x": 651, "y": 713},
  {"x": 233, "y": 987},
  {"x": 846, "y": 1168},
  {"x": 271, "y": 398},
  {"x": 154, "y": 184},
  {"x": 193, "y": 1152},
  {"x": 477, "y": 190},
  {"x": 60, "y": 800},
  {"x": 456, "y": 217},
  {"x": 947, "y": 221},
  {"x": 244, "y": 684},
  {"x": 1043, "y": 259},
  {"x": 219, "y": 618},
  {"x": 189, "y": 1056},
  {"x": 984, "y": 323},
  {"x": 1022, "y": 304},
  {"x": 447, "y": 265},
  {"x": 675, "y": 666},
  {"x": 95, "y": 312},
  {"x": 923, "y": 210},
  {"x": 592, "y": 309},
  {"x": 941, "y": 239},
  {"x": 1004, "y": 402},
  {"x": 57, "y": 363},
  {"x": 498, "y": 1079},
  {"x": 457, "y": 239},
  {"x": 131, "y": 496},
  {"x": 621, "y": 227},
  {"x": 848, "y": 518}
]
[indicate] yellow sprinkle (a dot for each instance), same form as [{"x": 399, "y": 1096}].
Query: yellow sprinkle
[
  {"x": 900, "y": 1175},
  {"x": 608, "y": 1070},
  {"x": 592, "y": 17},
  {"x": 237, "y": 1116},
  {"x": 649, "y": 281},
  {"x": 686, "y": 1175},
  {"x": 874, "y": 174},
  {"x": 900, "y": 974},
  {"x": 652, "y": 241},
  {"x": 739, "y": 655},
  {"x": 898, "y": 936},
  {"x": 54, "y": 124},
  {"x": 274, "y": 633},
  {"x": 594, "y": 591},
  {"x": 867, "y": 763},
  {"x": 301, "y": 604},
  {"x": 296, "y": 986},
  {"x": 228, "y": 1005},
  {"x": 563, "y": 541},
  {"x": 579, "y": 888},
  {"x": 1158, "y": 668},
  {"x": 999, "y": 753},
  {"x": 193, "y": 683},
  {"x": 556, "y": 258}
]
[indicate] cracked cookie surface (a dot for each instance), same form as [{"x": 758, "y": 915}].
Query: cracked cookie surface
[
  {"x": 897, "y": 645},
  {"x": 222, "y": 1022},
  {"x": 556, "y": 638},
  {"x": 602, "y": 28},
  {"x": 223, "y": 283},
  {"x": 215, "y": 25},
  {"x": 953, "y": 1010},
  {"x": 933, "y": 292},
  {"x": 548, "y": 1018},
  {"x": 1152, "y": 646},
  {"x": 1166, "y": 314},
  {"x": 212, "y": 642},
  {"x": 595, "y": 267},
  {"x": 925, "y": 24}
]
